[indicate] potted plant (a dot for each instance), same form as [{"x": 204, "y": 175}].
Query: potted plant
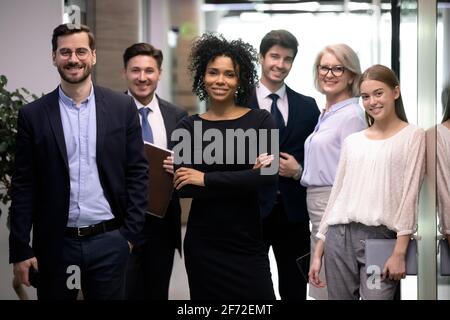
[{"x": 10, "y": 102}]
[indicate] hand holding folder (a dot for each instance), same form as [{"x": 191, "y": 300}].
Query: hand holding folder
[
  {"x": 378, "y": 252},
  {"x": 160, "y": 187}
]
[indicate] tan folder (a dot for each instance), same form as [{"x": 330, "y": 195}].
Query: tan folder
[{"x": 160, "y": 186}]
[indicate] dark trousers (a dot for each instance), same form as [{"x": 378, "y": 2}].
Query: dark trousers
[
  {"x": 150, "y": 265},
  {"x": 96, "y": 265},
  {"x": 289, "y": 240},
  {"x": 148, "y": 273}
]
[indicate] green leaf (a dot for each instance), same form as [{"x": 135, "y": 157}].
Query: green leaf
[
  {"x": 10, "y": 102},
  {"x": 3, "y": 147},
  {"x": 3, "y": 81}
]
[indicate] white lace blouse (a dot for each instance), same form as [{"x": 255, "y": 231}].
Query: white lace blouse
[{"x": 378, "y": 182}]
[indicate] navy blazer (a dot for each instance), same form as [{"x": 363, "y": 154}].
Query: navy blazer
[
  {"x": 171, "y": 115},
  {"x": 302, "y": 118},
  {"x": 41, "y": 184}
]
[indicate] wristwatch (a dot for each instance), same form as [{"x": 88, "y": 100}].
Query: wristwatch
[{"x": 298, "y": 175}]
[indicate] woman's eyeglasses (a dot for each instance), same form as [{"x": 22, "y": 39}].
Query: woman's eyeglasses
[{"x": 336, "y": 71}]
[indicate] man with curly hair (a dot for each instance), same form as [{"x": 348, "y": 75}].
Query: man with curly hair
[{"x": 285, "y": 217}]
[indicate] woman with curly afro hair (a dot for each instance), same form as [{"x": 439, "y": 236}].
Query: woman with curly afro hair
[{"x": 225, "y": 256}]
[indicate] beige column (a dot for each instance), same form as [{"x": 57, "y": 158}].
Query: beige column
[
  {"x": 116, "y": 25},
  {"x": 188, "y": 19}
]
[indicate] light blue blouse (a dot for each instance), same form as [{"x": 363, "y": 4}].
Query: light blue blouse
[{"x": 323, "y": 146}]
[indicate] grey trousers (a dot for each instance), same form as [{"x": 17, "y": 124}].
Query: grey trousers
[
  {"x": 344, "y": 257},
  {"x": 316, "y": 200}
]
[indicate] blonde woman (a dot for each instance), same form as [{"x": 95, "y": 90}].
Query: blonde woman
[
  {"x": 336, "y": 75},
  {"x": 375, "y": 194}
]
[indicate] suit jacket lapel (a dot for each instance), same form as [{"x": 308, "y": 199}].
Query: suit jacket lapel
[
  {"x": 292, "y": 115},
  {"x": 54, "y": 115},
  {"x": 170, "y": 120},
  {"x": 102, "y": 122}
]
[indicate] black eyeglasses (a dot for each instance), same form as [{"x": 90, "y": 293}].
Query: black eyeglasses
[
  {"x": 81, "y": 53},
  {"x": 336, "y": 71}
]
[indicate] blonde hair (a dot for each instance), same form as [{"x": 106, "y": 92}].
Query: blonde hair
[{"x": 348, "y": 58}]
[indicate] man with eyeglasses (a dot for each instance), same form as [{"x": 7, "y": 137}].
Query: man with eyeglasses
[
  {"x": 285, "y": 217},
  {"x": 80, "y": 181}
]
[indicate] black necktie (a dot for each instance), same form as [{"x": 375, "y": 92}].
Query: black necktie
[
  {"x": 276, "y": 114},
  {"x": 147, "y": 134}
]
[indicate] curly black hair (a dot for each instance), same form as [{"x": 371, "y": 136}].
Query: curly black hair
[{"x": 244, "y": 57}]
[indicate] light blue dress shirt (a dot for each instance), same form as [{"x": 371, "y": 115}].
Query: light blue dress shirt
[
  {"x": 88, "y": 204},
  {"x": 323, "y": 146}
]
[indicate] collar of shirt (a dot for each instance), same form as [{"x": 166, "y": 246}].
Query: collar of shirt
[
  {"x": 68, "y": 102},
  {"x": 335, "y": 107},
  {"x": 265, "y": 102},
  {"x": 152, "y": 105},
  {"x": 262, "y": 93}
]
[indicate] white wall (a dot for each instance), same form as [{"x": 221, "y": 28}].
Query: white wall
[{"x": 26, "y": 28}]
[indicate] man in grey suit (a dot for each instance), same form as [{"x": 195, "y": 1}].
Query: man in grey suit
[{"x": 151, "y": 262}]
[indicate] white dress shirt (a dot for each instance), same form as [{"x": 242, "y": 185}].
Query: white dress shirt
[
  {"x": 156, "y": 121},
  {"x": 265, "y": 102}
]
